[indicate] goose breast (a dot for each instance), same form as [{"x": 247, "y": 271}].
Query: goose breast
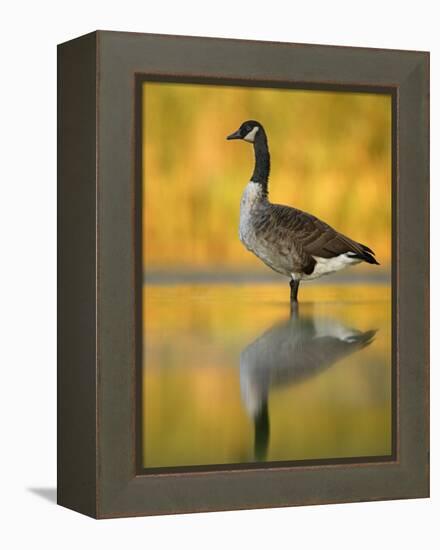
[{"x": 261, "y": 235}]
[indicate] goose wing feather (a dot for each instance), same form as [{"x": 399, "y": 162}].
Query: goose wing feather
[{"x": 315, "y": 238}]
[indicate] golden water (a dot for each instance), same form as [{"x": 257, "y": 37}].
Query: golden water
[{"x": 230, "y": 376}]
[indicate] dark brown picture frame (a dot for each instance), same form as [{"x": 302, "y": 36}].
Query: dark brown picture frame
[{"x": 100, "y": 276}]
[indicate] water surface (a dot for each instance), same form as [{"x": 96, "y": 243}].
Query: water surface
[{"x": 231, "y": 375}]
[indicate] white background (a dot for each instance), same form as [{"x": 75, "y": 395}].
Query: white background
[{"x": 29, "y": 34}]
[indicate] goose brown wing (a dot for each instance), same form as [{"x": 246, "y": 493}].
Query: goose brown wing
[{"x": 316, "y": 238}]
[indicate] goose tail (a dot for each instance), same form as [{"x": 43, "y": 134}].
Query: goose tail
[{"x": 365, "y": 254}]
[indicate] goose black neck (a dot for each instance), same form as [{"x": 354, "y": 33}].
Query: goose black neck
[
  {"x": 262, "y": 432},
  {"x": 262, "y": 160}
]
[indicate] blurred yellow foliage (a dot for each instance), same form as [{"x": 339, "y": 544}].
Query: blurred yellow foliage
[{"x": 330, "y": 152}]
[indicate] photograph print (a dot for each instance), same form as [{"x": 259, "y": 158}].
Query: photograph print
[{"x": 266, "y": 259}]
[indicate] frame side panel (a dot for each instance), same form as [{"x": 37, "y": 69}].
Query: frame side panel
[
  {"x": 77, "y": 69},
  {"x": 413, "y": 275}
]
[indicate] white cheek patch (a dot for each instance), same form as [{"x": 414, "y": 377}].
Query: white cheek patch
[{"x": 250, "y": 136}]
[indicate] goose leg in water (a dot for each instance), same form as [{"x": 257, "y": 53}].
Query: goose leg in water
[{"x": 294, "y": 285}]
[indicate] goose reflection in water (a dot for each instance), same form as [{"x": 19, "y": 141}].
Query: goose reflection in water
[{"x": 288, "y": 353}]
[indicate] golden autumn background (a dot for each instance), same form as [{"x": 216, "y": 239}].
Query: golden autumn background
[{"x": 330, "y": 156}]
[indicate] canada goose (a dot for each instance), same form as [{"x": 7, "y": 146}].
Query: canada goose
[
  {"x": 287, "y": 354},
  {"x": 290, "y": 241}
]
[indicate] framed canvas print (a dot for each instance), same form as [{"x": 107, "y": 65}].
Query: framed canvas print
[{"x": 243, "y": 274}]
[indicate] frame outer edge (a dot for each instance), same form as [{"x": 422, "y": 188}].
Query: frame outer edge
[
  {"x": 124, "y": 495},
  {"x": 77, "y": 271}
]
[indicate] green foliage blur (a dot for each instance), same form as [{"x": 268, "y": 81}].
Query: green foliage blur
[{"x": 330, "y": 155}]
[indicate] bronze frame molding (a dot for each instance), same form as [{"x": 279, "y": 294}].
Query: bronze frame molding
[{"x": 99, "y": 273}]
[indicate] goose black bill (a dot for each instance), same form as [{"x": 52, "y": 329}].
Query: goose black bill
[{"x": 235, "y": 135}]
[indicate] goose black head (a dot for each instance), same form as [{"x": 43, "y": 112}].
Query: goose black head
[{"x": 247, "y": 131}]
